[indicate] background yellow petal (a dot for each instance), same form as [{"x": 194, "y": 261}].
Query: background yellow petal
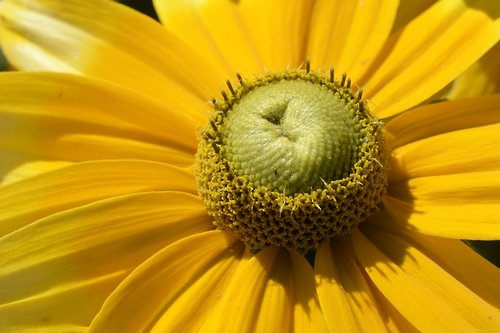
[
  {"x": 482, "y": 78},
  {"x": 345, "y": 297},
  {"x": 201, "y": 263},
  {"x": 465, "y": 205},
  {"x": 438, "y": 118},
  {"x": 60, "y": 269},
  {"x": 107, "y": 40},
  {"x": 425, "y": 294},
  {"x": 215, "y": 28},
  {"x": 430, "y": 52},
  {"x": 454, "y": 256},
  {"x": 71, "y": 118},
  {"x": 348, "y": 34},
  {"x": 28, "y": 200}
]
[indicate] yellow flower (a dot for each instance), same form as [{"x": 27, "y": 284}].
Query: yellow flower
[{"x": 100, "y": 222}]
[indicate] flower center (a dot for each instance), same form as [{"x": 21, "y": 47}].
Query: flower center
[
  {"x": 291, "y": 159},
  {"x": 291, "y": 136}
]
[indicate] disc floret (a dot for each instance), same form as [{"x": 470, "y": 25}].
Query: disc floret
[{"x": 276, "y": 180}]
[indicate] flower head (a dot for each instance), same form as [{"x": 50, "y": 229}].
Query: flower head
[{"x": 296, "y": 201}]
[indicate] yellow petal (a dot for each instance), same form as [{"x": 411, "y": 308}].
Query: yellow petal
[
  {"x": 438, "y": 118},
  {"x": 348, "y": 34},
  {"x": 482, "y": 78},
  {"x": 54, "y": 311},
  {"x": 278, "y": 30},
  {"x": 394, "y": 321},
  {"x": 47, "y": 142},
  {"x": 425, "y": 294},
  {"x": 114, "y": 109},
  {"x": 454, "y": 256},
  {"x": 266, "y": 301},
  {"x": 469, "y": 150},
  {"x": 70, "y": 118},
  {"x": 214, "y": 28},
  {"x": 107, "y": 40},
  {"x": 278, "y": 296},
  {"x": 201, "y": 263},
  {"x": 203, "y": 297},
  {"x": 308, "y": 316},
  {"x": 430, "y": 52},
  {"x": 82, "y": 147},
  {"x": 408, "y": 10},
  {"x": 345, "y": 297},
  {"x": 92, "y": 146},
  {"x": 28, "y": 200},
  {"x": 465, "y": 206},
  {"x": 80, "y": 255},
  {"x": 30, "y": 169}
]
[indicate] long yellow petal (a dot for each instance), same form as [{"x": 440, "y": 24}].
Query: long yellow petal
[
  {"x": 92, "y": 146},
  {"x": 47, "y": 142},
  {"x": 77, "y": 98},
  {"x": 393, "y": 319},
  {"x": 465, "y": 206},
  {"x": 28, "y": 200},
  {"x": 265, "y": 304},
  {"x": 348, "y": 34},
  {"x": 345, "y": 297},
  {"x": 425, "y": 294},
  {"x": 107, "y": 40},
  {"x": 454, "y": 256},
  {"x": 434, "y": 119},
  {"x": 46, "y": 117},
  {"x": 203, "y": 298},
  {"x": 469, "y": 150},
  {"x": 278, "y": 30},
  {"x": 201, "y": 263},
  {"x": 430, "y": 52},
  {"x": 80, "y": 255},
  {"x": 54, "y": 310},
  {"x": 214, "y": 28},
  {"x": 29, "y": 169},
  {"x": 308, "y": 315},
  {"x": 36, "y": 146}
]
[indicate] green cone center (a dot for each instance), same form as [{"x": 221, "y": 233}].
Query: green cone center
[
  {"x": 291, "y": 136},
  {"x": 291, "y": 159}
]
